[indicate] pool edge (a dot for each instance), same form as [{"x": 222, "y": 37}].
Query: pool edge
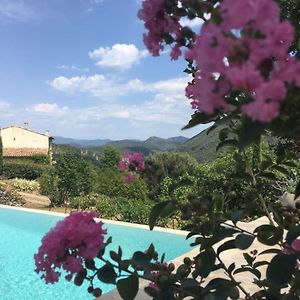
[{"x": 135, "y": 225}]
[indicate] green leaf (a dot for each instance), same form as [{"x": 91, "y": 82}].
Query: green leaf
[
  {"x": 270, "y": 251},
  {"x": 226, "y": 246},
  {"x": 219, "y": 235},
  {"x": 269, "y": 234},
  {"x": 196, "y": 119},
  {"x": 280, "y": 269},
  {"x": 265, "y": 164},
  {"x": 282, "y": 170},
  {"x": 268, "y": 175},
  {"x": 250, "y": 132},
  {"x": 244, "y": 241},
  {"x": 128, "y": 287},
  {"x": 168, "y": 210},
  {"x": 155, "y": 213},
  {"x": 231, "y": 268},
  {"x": 205, "y": 262},
  {"x": 237, "y": 216},
  {"x": 140, "y": 258},
  {"x": 107, "y": 274}
]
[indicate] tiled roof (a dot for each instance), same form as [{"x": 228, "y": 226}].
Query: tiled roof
[{"x": 23, "y": 152}]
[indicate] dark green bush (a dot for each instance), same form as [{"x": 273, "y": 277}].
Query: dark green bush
[
  {"x": 24, "y": 170},
  {"x": 40, "y": 159}
]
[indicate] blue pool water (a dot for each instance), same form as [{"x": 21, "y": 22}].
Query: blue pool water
[{"x": 20, "y": 236}]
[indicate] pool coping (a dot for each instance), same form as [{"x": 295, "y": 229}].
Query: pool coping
[{"x": 135, "y": 225}]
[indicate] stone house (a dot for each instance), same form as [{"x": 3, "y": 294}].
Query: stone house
[{"x": 22, "y": 142}]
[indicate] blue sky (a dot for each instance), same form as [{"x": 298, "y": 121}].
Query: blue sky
[{"x": 79, "y": 69}]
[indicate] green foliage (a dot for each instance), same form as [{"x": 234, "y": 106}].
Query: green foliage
[
  {"x": 48, "y": 183},
  {"x": 24, "y": 170},
  {"x": 167, "y": 164},
  {"x": 40, "y": 159},
  {"x": 25, "y": 185},
  {"x": 85, "y": 202},
  {"x": 75, "y": 176},
  {"x": 124, "y": 209},
  {"x": 109, "y": 182},
  {"x": 110, "y": 157}
]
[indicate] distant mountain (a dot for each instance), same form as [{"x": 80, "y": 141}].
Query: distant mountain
[
  {"x": 58, "y": 140},
  {"x": 203, "y": 145},
  {"x": 152, "y": 144}
]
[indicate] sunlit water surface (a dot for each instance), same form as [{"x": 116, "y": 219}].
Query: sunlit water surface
[{"x": 20, "y": 237}]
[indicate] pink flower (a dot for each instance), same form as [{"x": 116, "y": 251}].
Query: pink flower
[
  {"x": 288, "y": 71},
  {"x": 159, "y": 23},
  {"x": 266, "y": 104},
  {"x": 296, "y": 245},
  {"x": 245, "y": 51},
  {"x": 210, "y": 43},
  {"x": 175, "y": 53},
  {"x": 244, "y": 77},
  {"x": 130, "y": 164},
  {"x": 68, "y": 244}
]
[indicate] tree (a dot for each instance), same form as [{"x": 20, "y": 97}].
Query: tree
[
  {"x": 167, "y": 164},
  {"x": 110, "y": 157},
  {"x": 75, "y": 177}
]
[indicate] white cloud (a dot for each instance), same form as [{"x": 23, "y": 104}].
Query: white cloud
[
  {"x": 72, "y": 68},
  {"x": 15, "y": 10},
  {"x": 119, "y": 56},
  {"x": 195, "y": 23},
  {"x": 104, "y": 87},
  {"x": 48, "y": 109}
]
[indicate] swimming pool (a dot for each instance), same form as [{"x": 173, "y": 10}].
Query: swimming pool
[{"x": 20, "y": 236}]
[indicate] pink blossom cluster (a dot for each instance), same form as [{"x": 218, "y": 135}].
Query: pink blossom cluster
[
  {"x": 131, "y": 163},
  {"x": 247, "y": 52},
  {"x": 294, "y": 247},
  {"x": 68, "y": 244},
  {"x": 160, "y": 23}
]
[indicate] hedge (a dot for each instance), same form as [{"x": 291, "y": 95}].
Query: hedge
[{"x": 24, "y": 170}]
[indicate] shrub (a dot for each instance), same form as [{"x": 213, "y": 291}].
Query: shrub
[
  {"x": 24, "y": 170},
  {"x": 25, "y": 185},
  {"x": 84, "y": 202},
  {"x": 167, "y": 164},
  {"x": 124, "y": 209},
  {"x": 110, "y": 183},
  {"x": 40, "y": 159}
]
